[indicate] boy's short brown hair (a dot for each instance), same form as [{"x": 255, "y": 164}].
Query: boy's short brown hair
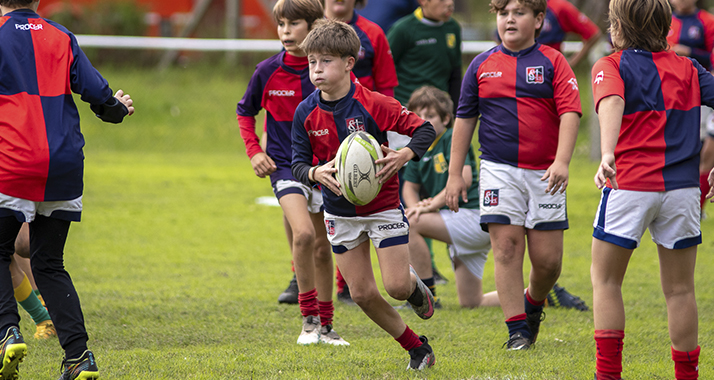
[
  {"x": 15, "y": 3},
  {"x": 538, "y": 6},
  {"x": 332, "y": 37},
  {"x": 432, "y": 97},
  {"x": 641, "y": 24},
  {"x": 308, "y": 10}
]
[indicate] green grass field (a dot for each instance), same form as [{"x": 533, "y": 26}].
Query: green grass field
[{"x": 178, "y": 268}]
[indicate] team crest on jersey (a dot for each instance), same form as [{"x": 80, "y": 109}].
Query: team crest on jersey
[
  {"x": 450, "y": 40},
  {"x": 330, "y": 227},
  {"x": 490, "y": 197},
  {"x": 440, "y": 164},
  {"x": 355, "y": 124},
  {"x": 534, "y": 74},
  {"x": 361, "y": 52},
  {"x": 694, "y": 32},
  {"x": 546, "y": 26}
]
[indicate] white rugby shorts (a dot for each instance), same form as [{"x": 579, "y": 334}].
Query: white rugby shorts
[
  {"x": 25, "y": 210},
  {"x": 516, "y": 196},
  {"x": 469, "y": 242},
  {"x": 385, "y": 229},
  {"x": 312, "y": 194},
  {"x": 671, "y": 216}
]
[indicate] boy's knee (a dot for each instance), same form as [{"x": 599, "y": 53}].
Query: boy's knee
[
  {"x": 399, "y": 291},
  {"x": 364, "y": 297},
  {"x": 303, "y": 238}
]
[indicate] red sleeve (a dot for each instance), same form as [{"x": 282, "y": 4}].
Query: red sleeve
[
  {"x": 708, "y": 21},
  {"x": 250, "y": 138},
  {"x": 572, "y": 20},
  {"x": 565, "y": 86},
  {"x": 385, "y": 74},
  {"x": 675, "y": 29},
  {"x": 606, "y": 78}
]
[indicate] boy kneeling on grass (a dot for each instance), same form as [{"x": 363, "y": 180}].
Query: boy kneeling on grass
[
  {"x": 41, "y": 170},
  {"x": 332, "y": 48}
]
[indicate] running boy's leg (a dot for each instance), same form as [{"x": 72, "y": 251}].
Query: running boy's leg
[
  {"x": 356, "y": 267},
  {"x": 609, "y": 264},
  {"x": 295, "y": 208},
  {"x": 47, "y": 241},
  {"x": 324, "y": 267}
]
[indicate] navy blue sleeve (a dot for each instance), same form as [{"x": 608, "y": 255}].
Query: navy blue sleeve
[
  {"x": 706, "y": 84},
  {"x": 302, "y": 149},
  {"x": 85, "y": 80}
]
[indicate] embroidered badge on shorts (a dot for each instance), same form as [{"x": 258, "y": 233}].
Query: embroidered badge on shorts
[
  {"x": 490, "y": 198},
  {"x": 330, "y": 227}
]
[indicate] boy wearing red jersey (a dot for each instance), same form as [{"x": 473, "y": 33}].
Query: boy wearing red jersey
[
  {"x": 42, "y": 169},
  {"x": 528, "y": 101},
  {"x": 321, "y": 122},
  {"x": 648, "y": 102},
  {"x": 278, "y": 85}
]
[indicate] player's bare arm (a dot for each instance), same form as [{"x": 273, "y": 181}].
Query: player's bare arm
[
  {"x": 610, "y": 111},
  {"x": 557, "y": 173},
  {"x": 325, "y": 174},
  {"x": 710, "y": 194},
  {"x": 587, "y": 45},
  {"x": 460, "y": 141},
  {"x": 393, "y": 161}
]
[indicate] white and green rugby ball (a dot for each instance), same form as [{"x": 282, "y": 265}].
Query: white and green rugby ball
[{"x": 356, "y": 170}]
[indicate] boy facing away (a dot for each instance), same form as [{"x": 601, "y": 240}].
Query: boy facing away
[
  {"x": 41, "y": 170},
  {"x": 322, "y": 121},
  {"x": 527, "y": 97},
  {"x": 278, "y": 85},
  {"x": 648, "y": 102}
]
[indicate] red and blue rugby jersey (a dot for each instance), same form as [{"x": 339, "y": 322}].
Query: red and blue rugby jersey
[
  {"x": 658, "y": 146},
  {"x": 695, "y": 31},
  {"x": 375, "y": 66},
  {"x": 562, "y": 17},
  {"x": 319, "y": 130},
  {"x": 520, "y": 97},
  {"x": 278, "y": 85},
  {"x": 41, "y": 144}
]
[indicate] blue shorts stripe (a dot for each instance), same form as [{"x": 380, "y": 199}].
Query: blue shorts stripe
[
  {"x": 550, "y": 226},
  {"x": 617, "y": 240},
  {"x": 497, "y": 219},
  {"x": 338, "y": 249},
  {"x": 286, "y": 191},
  {"x": 392, "y": 241},
  {"x": 688, "y": 242}
]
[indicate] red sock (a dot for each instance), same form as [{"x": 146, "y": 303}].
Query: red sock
[
  {"x": 686, "y": 364},
  {"x": 327, "y": 312},
  {"x": 534, "y": 302},
  {"x": 704, "y": 186},
  {"x": 292, "y": 266},
  {"x": 608, "y": 362},
  {"x": 340, "y": 280},
  {"x": 308, "y": 303},
  {"x": 409, "y": 339}
]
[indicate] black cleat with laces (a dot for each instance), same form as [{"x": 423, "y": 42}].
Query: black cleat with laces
[
  {"x": 559, "y": 297},
  {"x": 13, "y": 350},
  {"x": 422, "y": 357},
  {"x": 517, "y": 342},
  {"x": 82, "y": 368}
]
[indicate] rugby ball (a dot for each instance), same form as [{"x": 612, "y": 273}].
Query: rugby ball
[{"x": 356, "y": 170}]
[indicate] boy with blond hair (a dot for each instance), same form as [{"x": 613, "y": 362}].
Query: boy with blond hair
[
  {"x": 42, "y": 169},
  {"x": 648, "y": 102},
  {"x": 278, "y": 85},
  {"x": 527, "y": 98},
  {"x": 338, "y": 108}
]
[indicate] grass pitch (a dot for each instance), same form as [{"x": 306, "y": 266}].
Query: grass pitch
[{"x": 178, "y": 268}]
